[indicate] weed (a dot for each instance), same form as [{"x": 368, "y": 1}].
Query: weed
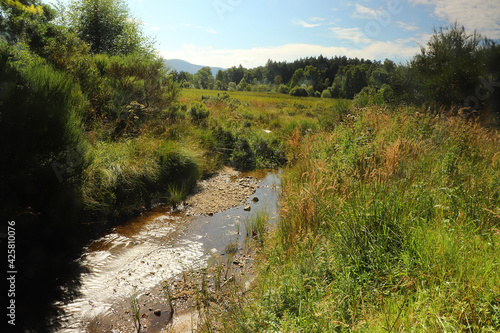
[{"x": 134, "y": 303}]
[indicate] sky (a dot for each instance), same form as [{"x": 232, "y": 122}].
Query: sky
[{"x": 226, "y": 33}]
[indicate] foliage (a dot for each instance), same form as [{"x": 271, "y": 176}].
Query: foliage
[
  {"x": 204, "y": 79},
  {"x": 107, "y": 26},
  {"x": 298, "y": 92},
  {"x": 377, "y": 231},
  {"x": 326, "y": 94},
  {"x": 242, "y": 157},
  {"x": 41, "y": 111},
  {"x": 451, "y": 71},
  {"x": 198, "y": 113}
]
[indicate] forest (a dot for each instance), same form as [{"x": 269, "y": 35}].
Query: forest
[
  {"x": 94, "y": 130},
  {"x": 454, "y": 65}
]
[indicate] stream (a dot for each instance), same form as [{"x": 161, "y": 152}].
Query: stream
[{"x": 135, "y": 258}]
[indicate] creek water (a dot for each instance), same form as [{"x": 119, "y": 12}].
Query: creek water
[{"x": 139, "y": 255}]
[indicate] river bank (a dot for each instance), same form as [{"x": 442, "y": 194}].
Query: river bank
[{"x": 134, "y": 260}]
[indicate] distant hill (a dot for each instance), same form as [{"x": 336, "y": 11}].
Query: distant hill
[{"x": 181, "y": 65}]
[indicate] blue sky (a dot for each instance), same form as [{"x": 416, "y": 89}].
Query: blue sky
[{"x": 227, "y": 33}]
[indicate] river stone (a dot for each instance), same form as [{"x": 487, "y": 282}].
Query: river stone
[
  {"x": 157, "y": 312},
  {"x": 255, "y": 199},
  {"x": 247, "y": 208}
]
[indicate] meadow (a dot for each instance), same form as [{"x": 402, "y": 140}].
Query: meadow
[{"x": 389, "y": 221}]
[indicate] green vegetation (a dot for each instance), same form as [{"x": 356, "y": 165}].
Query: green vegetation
[
  {"x": 456, "y": 68},
  {"x": 390, "y": 216},
  {"x": 390, "y": 222}
]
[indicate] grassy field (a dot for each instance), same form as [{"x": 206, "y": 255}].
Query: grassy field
[
  {"x": 390, "y": 216},
  {"x": 390, "y": 222}
]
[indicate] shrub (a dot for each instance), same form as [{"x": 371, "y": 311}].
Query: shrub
[
  {"x": 283, "y": 89},
  {"x": 243, "y": 158},
  {"x": 387, "y": 93},
  {"x": 198, "y": 112},
  {"x": 310, "y": 91},
  {"x": 298, "y": 92},
  {"x": 225, "y": 142},
  {"x": 326, "y": 94},
  {"x": 268, "y": 154},
  {"x": 40, "y": 123}
]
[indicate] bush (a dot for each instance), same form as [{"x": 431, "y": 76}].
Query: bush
[
  {"x": 283, "y": 89},
  {"x": 40, "y": 124},
  {"x": 310, "y": 91},
  {"x": 243, "y": 158},
  {"x": 299, "y": 92},
  {"x": 268, "y": 154},
  {"x": 326, "y": 94},
  {"x": 225, "y": 142},
  {"x": 387, "y": 93},
  {"x": 198, "y": 112}
]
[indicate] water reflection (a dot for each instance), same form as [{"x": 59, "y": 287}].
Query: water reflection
[{"x": 138, "y": 256}]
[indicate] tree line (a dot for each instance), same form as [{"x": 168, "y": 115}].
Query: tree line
[{"x": 456, "y": 67}]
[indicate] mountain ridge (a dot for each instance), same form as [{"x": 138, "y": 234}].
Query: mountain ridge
[{"x": 182, "y": 65}]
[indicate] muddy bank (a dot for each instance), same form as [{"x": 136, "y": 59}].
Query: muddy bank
[{"x": 134, "y": 260}]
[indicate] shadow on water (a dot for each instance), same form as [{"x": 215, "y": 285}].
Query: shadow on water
[{"x": 136, "y": 257}]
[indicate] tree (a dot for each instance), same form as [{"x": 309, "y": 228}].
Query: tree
[
  {"x": 312, "y": 76},
  {"x": 355, "y": 79},
  {"x": 297, "y": 77},
  {"x": 108, "y": 27},
  {"x": 450, "y": 66},
  {"x": 27, "y": 21},
  {"x": 204, "y": 78}
]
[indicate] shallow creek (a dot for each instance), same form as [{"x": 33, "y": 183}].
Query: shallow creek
[{"x": 135, "y": 258}]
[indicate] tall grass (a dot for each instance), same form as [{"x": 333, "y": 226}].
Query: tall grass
[
  {"x": 389, "y": 223},
  {"x": 127, "y": 175}
]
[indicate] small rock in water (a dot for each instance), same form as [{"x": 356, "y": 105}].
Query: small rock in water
[
  {"x": 247, "y": 208},
  {"x": 255, "y": 199},
  {"x": 157, "y": 312}
]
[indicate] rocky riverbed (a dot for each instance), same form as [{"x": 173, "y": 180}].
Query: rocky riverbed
[
  {"x": 224, "y": 190},
  {"x": 163, "y": 256}
]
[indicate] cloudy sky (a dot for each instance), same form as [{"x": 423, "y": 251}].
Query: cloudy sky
[{"x": 227, "y": 33}]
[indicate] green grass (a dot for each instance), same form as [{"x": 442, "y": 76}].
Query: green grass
[
  {"x": 127, "y": 175},
  {"x": 389, "y": 219},
  {"x": 389, "y": 223}
]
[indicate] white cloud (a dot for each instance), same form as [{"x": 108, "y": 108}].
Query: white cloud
[
  {"x": 407, "y": 26},
  {"x": 317, "y": 19},
  {"x": 353, "y": 35},
  {"x": 367, "y": 12},
  {"x": 482, "y": 16},
  {"x": 304, "y": 24},
  {"x": 399, "y": 51}
]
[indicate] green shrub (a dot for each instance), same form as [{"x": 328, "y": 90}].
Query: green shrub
[
  {"x": 225, "y": 142},
  {"x": 283, "y": 89},
  {"x": 242, "y": 157},
  {"x": 40, "y": 125},
  {"x": 268, "y": 154},
  {"x": 326, "y": 94},
  {"x": 198, "y": 113},
  {"x": 298, "y": 92}
]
